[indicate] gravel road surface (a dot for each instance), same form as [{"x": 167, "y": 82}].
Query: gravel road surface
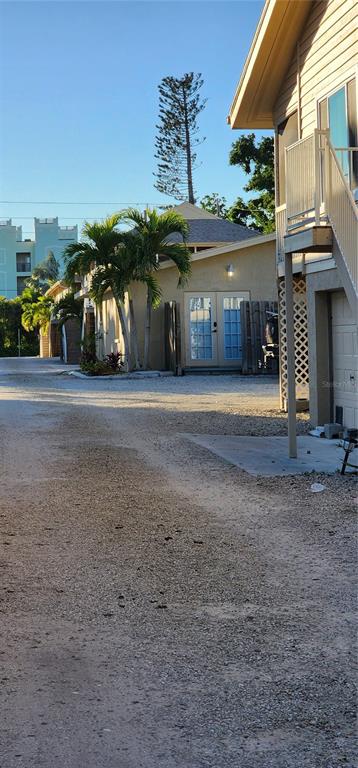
[{"x": 160, "y": 608}]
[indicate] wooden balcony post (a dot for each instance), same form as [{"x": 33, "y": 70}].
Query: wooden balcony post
[
  {"x": 327, "y": 174},
  {"x": 290, "y": 349},
  {"x": 317, "y": 177}
]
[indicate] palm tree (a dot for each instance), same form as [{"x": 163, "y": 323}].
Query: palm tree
[
  {"x": 36, "y": 310},
  {"x": 102, "y": 254},
  {"x": 68, "y": 307},
  {"x": 45, "y": 273},
  {"x": 149, "y": 241}
]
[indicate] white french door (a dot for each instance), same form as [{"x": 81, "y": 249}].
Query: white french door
[
  {"x": 229, "y": 328},
  {"x": 201, "y": 329},
  {"x": 213, "y": 328}
]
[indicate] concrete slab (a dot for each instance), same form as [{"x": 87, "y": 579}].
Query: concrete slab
[
  {"x": 267, "y": 456},
  {"x": 123, "y": 376},
  {"x": 13, "y": 366}
]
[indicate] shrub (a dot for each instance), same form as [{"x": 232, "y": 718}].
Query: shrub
[
  {"x": 90, "y": 364},
  {"x": 96, "y": 368},
  {"x": 88, "y": 354},
  {"x": 114, "y": 361}
]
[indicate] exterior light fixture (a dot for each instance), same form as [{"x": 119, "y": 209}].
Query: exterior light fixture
[{"x": 230, "y": 270}]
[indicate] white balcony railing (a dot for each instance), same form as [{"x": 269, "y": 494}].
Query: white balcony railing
[
  {"x": 341, "y": 207},
  {"x": 318, "y": 192},
  {"x": 302, "y": 190}
]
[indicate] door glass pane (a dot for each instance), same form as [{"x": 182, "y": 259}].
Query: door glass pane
[
  {"x": 201, "y": 340},
  {"x": 338, "y": 126},
  {"x": 232, "y": 328}
]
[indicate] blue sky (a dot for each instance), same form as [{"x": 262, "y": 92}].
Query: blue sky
[{"x": 79, "y": 102}]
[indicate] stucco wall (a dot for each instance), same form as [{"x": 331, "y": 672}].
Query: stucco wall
[
  {"x": 319, "y": 284},
  {"x": 254, "y": 272}
]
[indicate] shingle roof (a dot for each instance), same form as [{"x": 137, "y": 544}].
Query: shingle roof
[{"x": 204, "y": 227}]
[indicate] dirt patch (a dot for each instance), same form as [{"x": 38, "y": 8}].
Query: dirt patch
[{"x": 159, "y": 607}]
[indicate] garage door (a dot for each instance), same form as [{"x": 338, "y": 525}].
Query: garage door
[{"x": 345, "y": 360}]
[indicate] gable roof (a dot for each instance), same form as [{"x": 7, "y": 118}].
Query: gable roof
[
  {"x": 207, "y": 229},
  {"x": 269, "y": 57},
  {"x": 228, "y": 248}
]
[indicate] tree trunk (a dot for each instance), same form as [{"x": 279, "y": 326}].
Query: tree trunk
[
  {"x": 148, "y": 323},
  {"x": 124, "y": 328},
  {"x": 99, "y": 347},
  {"x": 134, "y": 335},
  {"x": 189, "y": 170}
]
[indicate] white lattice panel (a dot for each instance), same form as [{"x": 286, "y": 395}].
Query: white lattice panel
[{"x": 301, "y": 338}]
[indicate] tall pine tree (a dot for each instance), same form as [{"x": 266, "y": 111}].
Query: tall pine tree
[{"x": 180, "y": 104}]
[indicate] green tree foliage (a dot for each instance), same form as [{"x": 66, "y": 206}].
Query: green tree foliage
[
  {"x": 36, "y": 309},
  {"x": 10, "y": 324},
  {"x": 180, "y": 105},
  {"x": 45, "y": 273},
  {"x": 238, "y": 212},
  {"x": 257, "y": 161},
  {"x": 215, "y": 204}
]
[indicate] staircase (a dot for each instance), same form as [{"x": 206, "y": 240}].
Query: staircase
[{"x": 342, "y": 215}]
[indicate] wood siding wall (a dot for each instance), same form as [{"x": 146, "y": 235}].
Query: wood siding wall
[
  {"x": 326, "y": 55},
  {"x": 44, "y": 344}
]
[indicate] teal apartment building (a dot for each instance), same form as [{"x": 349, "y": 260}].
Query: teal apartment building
[{"x": 18, "y": 257}]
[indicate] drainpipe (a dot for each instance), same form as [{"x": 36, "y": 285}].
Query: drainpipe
[{"x": 299, "y": 113}]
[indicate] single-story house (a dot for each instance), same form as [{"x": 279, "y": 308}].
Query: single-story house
[{"x": 200, "y": 324}]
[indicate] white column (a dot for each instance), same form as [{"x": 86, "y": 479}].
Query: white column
[{"x": 290, "y": 346}]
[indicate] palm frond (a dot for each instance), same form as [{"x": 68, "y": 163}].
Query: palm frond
[
  {"x": 170, "y": 223},
  {"x": 181, "y": 257},
  {"x": 96, "y": 230},
  {"x": 134, "y": 216},
  {"x": 107, "y": 277},
  {"x": 154, "y": 288},
  {"x": 68, "y": 307}
]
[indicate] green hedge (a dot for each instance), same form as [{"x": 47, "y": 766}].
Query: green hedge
[{"x": 10, "y": 323}]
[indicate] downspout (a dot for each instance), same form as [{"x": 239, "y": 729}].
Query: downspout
[{"x": 298, "y": 77}]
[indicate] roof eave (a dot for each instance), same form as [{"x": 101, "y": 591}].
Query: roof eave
[
  {"x": 250, "y": 242},
  {"x": 56, "y": 288},
  {"x": 268, "y": 59}
]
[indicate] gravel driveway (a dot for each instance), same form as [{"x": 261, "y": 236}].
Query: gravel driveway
[{"x": 160, "y": 608}]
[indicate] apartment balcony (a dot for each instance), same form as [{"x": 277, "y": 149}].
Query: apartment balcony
[{"x": 320, "y": 211}]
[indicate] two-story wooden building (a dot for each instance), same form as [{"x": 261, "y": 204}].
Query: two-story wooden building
[{"x": 300, "y": 79}]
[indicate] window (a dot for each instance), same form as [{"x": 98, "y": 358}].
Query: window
[
  {"x": 20, "y": 284},
  {"x": 338, "y": 113},
  {"x": 23, "y": 262},
  {"x": 338, "y": 126}
]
